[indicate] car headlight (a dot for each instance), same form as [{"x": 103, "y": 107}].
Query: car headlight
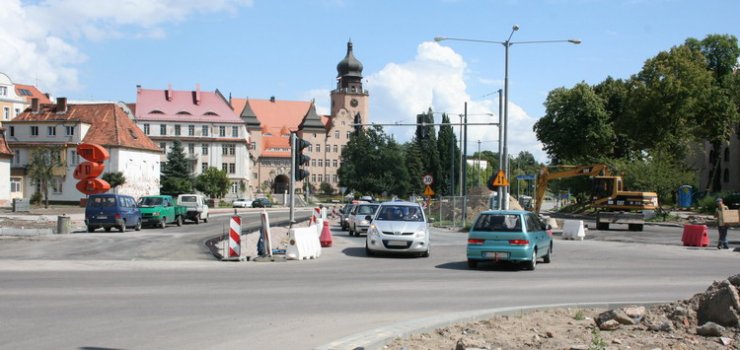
[
  {"x": 156, "y": 213},
  {"x": 373, "y": 231},
  {"x": 420, "y": 234},
  {"x": 364, "y": 222}
]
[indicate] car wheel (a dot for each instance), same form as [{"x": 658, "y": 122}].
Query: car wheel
[
  {"x": 531, "y": 264},
  {"x": 90, "y": 228},
  {"x": 197, "y": 219},
  {"x": 548, "y": 258},
  {"x": 424, "y": 254},
  {"x": 179, "y": 221},
  {"x": 472, "y": 264},
  {"x": 122, "y": 228},
  {"x": 368, "y": 252},
  {"x": 163, "y": 222},
  {"x": 206, "y": 219},
  {"x": 138, "y": 226},
  {"x": 107, "y": 228}
]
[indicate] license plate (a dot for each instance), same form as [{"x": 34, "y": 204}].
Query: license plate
[
  {"x": 496, "y": 255},
  {"x": 102, "y": 217},
  {"x": 397, "y": 243}
]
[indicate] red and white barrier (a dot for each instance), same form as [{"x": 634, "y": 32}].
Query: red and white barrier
[
  {"x": 235, "y": 239},
  {"x": 304, "y": 243}
]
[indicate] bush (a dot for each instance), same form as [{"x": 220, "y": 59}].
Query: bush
[{"x": 36, "y": 198}]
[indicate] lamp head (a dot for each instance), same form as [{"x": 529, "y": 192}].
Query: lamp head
[
  {"x": 439, "y": 38},
  {"x": 574, "y": 41},
  {"x": 515, "y": 28}
]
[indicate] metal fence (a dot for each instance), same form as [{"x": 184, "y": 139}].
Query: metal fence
[{"x": 447, "y": 212}]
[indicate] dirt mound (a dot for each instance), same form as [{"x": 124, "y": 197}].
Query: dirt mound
[{"x": 708, "y": 320}]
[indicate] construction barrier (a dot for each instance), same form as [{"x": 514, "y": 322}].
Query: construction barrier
[
  {"x": 325, "y": 238},
  {"x": 303, "y": 243},
  {"x": 265, "y": 234},
  {"x": 695, "y": 235},
  {"x": 235, "y": 240},
  {"x": 573, "y": 229}
]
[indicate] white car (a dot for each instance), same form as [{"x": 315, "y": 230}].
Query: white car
[
  {"x": 197, "y": 207},
  {"x": 398, "y": 227},
  {"x": 242, "y": 203}
]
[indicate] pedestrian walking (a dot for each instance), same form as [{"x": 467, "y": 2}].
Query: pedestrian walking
[{"x": 721, "y": 224}]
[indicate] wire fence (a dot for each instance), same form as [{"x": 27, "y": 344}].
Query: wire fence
[{"x": 447, "y": 212}]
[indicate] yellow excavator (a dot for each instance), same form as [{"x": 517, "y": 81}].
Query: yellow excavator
[{"x": 614, "y": 204}]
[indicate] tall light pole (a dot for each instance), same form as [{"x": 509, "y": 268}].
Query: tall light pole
[{"x": 507, "y": 44}]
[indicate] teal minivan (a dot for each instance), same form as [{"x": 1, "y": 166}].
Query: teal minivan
[{"x": 509, "y": 236}]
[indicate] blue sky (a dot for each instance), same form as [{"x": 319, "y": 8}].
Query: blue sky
[{"x": 100, "y": 50}]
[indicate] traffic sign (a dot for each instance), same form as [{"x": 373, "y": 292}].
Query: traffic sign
[
  {"x": 428, "y": 191},
  {"x": 500, "y": 179},
  {"x": 427, "y": 179}
]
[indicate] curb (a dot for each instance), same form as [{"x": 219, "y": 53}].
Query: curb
[{"x": 376, "y": 339}]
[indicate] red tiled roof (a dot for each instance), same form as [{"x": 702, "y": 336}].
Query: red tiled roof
[
  {"x": 269, "y": 143},
  {"x": 186, "y": 106},
  {"x": 4, "y": 148},
  {"x": 35, "y": 93},
  {"x": 109, "y": 124},
  {"x": 275, "y": 114}
]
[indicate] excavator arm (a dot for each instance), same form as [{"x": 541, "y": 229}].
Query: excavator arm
[{"x": 545, "y": 176}]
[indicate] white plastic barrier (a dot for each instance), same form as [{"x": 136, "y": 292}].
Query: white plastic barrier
[
  {"x": 573, "y": 229},
  {"x": 304, "y": 243}
]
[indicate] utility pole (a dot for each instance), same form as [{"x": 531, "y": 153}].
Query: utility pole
[{"x": 465, "y": 166}]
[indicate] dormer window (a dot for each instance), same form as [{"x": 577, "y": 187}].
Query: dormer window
[
  {"x": 183, "y": 113},
  {"x": 210, "y": 114},
  {"x": 156, "y": 111}
]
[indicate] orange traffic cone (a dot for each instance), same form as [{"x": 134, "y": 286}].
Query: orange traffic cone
[{"x": 325, "y": 238}]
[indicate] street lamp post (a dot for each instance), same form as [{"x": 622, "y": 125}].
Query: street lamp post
[{"x": 507, "y": 44}]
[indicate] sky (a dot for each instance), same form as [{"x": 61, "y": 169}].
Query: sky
[{"x": 289, "y": 49}]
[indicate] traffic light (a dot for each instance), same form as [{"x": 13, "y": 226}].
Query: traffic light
[{"x": 300, "y": 158}]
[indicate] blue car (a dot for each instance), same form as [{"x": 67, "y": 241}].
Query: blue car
[
  {"x": 509, "y": 236},
  {"x": 112, "y": 210}
]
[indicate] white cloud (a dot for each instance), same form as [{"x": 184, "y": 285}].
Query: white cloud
[
  {"x": 436, "y": 78},
  {"x": 37, "y": 38},
  {"x": 320, "y": 100}
]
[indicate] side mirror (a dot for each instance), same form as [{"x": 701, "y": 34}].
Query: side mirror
[{"x": 369, "y": 217}]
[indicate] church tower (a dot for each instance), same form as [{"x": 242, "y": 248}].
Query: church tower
[{"x": 349, "y": 98}]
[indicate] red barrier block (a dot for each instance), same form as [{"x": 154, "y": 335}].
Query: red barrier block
[{"x": 695, "y": 235}]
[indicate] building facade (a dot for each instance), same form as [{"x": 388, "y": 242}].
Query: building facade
[
  {"x": 10, "y": 103},
  {"x": 59, "y": 128},
  {"x": 211, "y": 133},
  {"x": 6, "y": 159},
  {"x": 270, "y": 122}
]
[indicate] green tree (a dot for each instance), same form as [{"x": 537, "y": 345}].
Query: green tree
[
  {"x": 326, "y": 189},
  {"x": 576, "y": 127},
  {"x": 427, "y": 141},
  {"x": 213, "y": 182},
  {"x": 114, "y": 179},
  {"x": 177, "y": 176},
  {"x": 615, "y": 93},
  {"x": 414, "y": 167},
  {"x": 449, "y": 157},
  {"x": 41, "y": 168}
]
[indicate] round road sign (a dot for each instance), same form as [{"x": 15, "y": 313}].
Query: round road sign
[{"x": 427, "y": 179}]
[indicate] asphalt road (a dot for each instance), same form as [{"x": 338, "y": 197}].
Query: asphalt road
[{"x": 84, "y": 299}]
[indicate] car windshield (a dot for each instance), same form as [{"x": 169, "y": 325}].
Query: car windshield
[
  {"x": 367, "y": 209},
  {"x": 150, "y": 201},
  {"x": 498, "y": 222},
  {"x": 400, "y": 213},
  {"x": 188, "y": 199}
]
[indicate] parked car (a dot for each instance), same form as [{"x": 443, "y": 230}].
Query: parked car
[
  {"x": 242, "y": 203},
  {"x": 344, "y": 219},
  {"x": 111, "y": 210},
  {"x": 197, "y": 208},
  {"x": 399, "y": 227},
  {"x": 261, "y": 203},
  {"x": 358, "y": 220},
  {"x": 509, "y": 235},
  {"x": 159, "y": 211}
]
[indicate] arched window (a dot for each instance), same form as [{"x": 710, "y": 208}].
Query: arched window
[
  {"x": 212, "y": 114},
  {"x": 183, "y": 113}
]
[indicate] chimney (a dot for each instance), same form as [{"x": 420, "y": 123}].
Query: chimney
[
  {"x": 197, "y": 94},
  {"x": 272, "y": 98},
  {"x": 138, "y": 88},
  {"x": 61, "y": 105},
  {"x": 168, "y": 93},
  {"x": 35, "y": 105}
]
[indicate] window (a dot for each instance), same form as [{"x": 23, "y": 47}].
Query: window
[
  {"x": 222, "y": 131},
  {"x": 34, "y": 131},
  {"x": 228, "y": 149},
  {"x": 349, "y": 133},
  {"x": 3, "y": 91},
  {"x": 69, "y": 130},
  {"x": 313, "y": 177},
  {"x": 336, "y": 134},
  {"x": 12, "y": 131},
  {"x": 17, "y": 157},
  {"x": 15, "y": 184},
  {"x": 318, "y": 148},
  {"x": 74, "y": 158},
  {"x": 225, "y": 167},
  {"x": 204, "y": 131},
  {"x": 232, "y": 168},
  {"x": 321, "y": 178},
  {"x": 321, "y": 163},
  {"x": 204, "y": 149},
  {"x": 328, "y": 148},
  {"x": 203, "y": 167},
  {"x": 191, "y": 148},
  {"x": 191, "y": 130},
  {"x": 163, "y": 146},
  {"x": 310, "y": 148},
  {"x": 146, "y": 129},
  {"x": 17, "y": 111},
  {"x": 56, "y": 185},
  {"x": 313, "y": 162},
  {"x": 162, "y": 129},
  {"x": 6, "y": 113},
  {"x": 234, "y": 187},
  {"x": 51, "y": 130},
  {"x": 224, "y": 150},
  {"x": 334, "y": 163},
  {"x": 177, "y": 130},
  {"x": 334, "y": 178},
  {"x": 234, "y": 131}
]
